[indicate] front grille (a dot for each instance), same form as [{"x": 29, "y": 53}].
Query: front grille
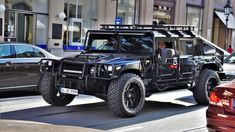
[{"x": 72, "y": 69}]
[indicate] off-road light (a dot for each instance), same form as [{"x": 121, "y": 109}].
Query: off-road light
[
  {"x": 110, "y": 68},
  {"x": 49, "y": 63},
  {"x": 92, "y": 71}
]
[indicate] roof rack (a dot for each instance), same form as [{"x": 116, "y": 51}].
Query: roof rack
[{"x": 147, "y": 27}]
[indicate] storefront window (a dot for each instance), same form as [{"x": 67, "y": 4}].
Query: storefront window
[
  {"x": 41, "y": 29},
  {"x": 9, "y": 32},
  {"x": 19, "y": 4},
  {"x": 127, "y": 10},
  {"x": 40, "y": 6},
  {"x": 194, "y": 17},
  {"x": 162, "y": 14},
  {"x": 81, "y": 15}
]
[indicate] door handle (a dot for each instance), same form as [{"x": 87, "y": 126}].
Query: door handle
[{"x": 8, "y": 64}]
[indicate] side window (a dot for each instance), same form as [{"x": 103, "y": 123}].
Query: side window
[
  {"x": 5, "y": 51},
  {"x": 185, "y": 47},
  {"x": 27, "y": 52},
  {"x": 38, "y": 53},
  {"x": 208, "y": 50}
]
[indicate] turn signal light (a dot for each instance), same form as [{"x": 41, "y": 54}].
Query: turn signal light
[{"x": 214, "y": 100}]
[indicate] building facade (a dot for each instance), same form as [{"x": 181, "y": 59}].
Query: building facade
[{"x": 61, "y": 26}]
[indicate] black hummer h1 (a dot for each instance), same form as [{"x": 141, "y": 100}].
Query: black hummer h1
[{"x": 123, "y": 64}]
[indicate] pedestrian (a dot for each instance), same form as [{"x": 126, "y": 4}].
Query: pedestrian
[{"x": 230, "y": 49}]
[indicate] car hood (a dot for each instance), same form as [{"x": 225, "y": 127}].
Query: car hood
[{"x": 107, "y": 58}]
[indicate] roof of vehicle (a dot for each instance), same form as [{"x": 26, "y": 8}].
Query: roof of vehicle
[
  {"x": 48, "y": 54},
  {"x": 157, "y": 30},
  {"x": 226, "y": 53}
]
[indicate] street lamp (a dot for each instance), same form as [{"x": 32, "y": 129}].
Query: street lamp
[{"x": 227, "y": 12}]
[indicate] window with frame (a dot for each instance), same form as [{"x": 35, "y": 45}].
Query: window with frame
[
  {"x": 194, "y": 17},
  {"x": 5, "y": 51},
  {"x": 128, "y": 11},
  {"x": 27, "y": 52},
  {"x": 185, "y": 47}
]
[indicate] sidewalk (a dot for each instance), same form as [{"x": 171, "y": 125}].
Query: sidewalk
[{"x": 28, "y": 126}]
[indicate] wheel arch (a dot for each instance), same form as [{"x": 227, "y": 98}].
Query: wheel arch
[
  {"x": 210, "y": 66},
  {"x": 215, "y": 68},
  {"x": 134, "y": 71}
]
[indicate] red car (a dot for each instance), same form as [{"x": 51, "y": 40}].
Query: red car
[{"x": 221, "y": 112}]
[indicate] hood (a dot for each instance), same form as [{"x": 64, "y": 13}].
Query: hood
[{"x": 107, "y": 58}]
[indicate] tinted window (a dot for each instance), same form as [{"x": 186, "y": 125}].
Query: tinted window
[
  {"x": 38, "y": 53},
  {"x": 27, "y": 52},
  {"x": 136, "y": 44},
  {"x": 185, "y": 47},
  {"x": 5, "y": 51}
]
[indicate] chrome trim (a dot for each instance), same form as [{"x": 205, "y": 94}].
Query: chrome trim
[
  {"x": 18, "y": 87},
  {"x": 72, "y": 71}
]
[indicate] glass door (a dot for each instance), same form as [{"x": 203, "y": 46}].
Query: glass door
[{"x": 25, "y": 28}]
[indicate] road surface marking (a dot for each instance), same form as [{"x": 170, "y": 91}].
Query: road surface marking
[{"x": 128, "y": 129}]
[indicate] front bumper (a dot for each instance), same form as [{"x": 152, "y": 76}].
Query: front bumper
[{"x": 217, "y": 120}]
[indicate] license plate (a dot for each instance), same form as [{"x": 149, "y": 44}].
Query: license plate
[
  {"x": 225, "y": 102},
  {"x": 69, "y": 91}
]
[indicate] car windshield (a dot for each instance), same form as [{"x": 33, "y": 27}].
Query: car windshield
[{"x": 121, "y": 43}]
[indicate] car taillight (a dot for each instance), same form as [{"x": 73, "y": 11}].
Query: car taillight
[{"x": 214, "y": 100}]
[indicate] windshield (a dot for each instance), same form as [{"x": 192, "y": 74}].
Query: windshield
[{"x": 136, "y": 44}]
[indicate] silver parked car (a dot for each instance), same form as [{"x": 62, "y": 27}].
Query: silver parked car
[
  {"x": 229, "y": 67},
  {"x": 20, "y": 66}
]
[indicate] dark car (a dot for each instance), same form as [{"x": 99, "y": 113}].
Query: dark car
[
  {"x": 20, "y": 66},
  {"x": 221, "y": 112},
  {"x": 124, "y": 64},
  {"x": 229, "y": 67}
]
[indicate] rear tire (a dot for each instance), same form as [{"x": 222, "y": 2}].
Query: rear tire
[
  {"x": 126, "y": 95},
  {"x": 208, "y": 79},
  {"x": 49, "y": 92}
]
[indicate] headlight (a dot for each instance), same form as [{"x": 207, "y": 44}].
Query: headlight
[
  {"x": 108, "y": 68},
  {"x": 92, "y": 71},
  {"x": 49, "y": 63}
]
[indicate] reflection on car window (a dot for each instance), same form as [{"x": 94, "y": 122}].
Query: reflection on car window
[
  {"x": 136, "y": 44},
  {"x": 185, "y": 47},
  {"x": 23, "y": 51},
  {"x": 231, "y": 58},
  {"x": 5, "y": 51},
  {"x": 38, "y": 53},
  {"x": 105, "y": 44}
]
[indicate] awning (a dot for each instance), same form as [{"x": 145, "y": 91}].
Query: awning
[{"x": 231, "y": 19}]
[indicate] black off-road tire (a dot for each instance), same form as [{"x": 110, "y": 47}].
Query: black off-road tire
[
  {"x": 208, "y": 79},
  {"x": 118, "y": 95},
  {"x": 49, "y": 92}
]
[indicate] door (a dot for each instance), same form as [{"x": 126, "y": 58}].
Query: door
[
  {"x": 7, "y": 70},
  {"x": 75, "y": 32},
  {"x": 167, "y": 65},
  {"x": 25, "y": 28},
  {"x": 27, "y": 65},
  {"x": 187, "y": 61}
]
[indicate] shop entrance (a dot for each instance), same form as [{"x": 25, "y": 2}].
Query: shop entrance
[{"x": 25, "y": 28}]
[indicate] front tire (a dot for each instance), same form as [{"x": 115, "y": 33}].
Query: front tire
[
  {"x": 208, "y": 79},
  {"x": 49, "y": 92},
  {"x": 126, "y": 95}
]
